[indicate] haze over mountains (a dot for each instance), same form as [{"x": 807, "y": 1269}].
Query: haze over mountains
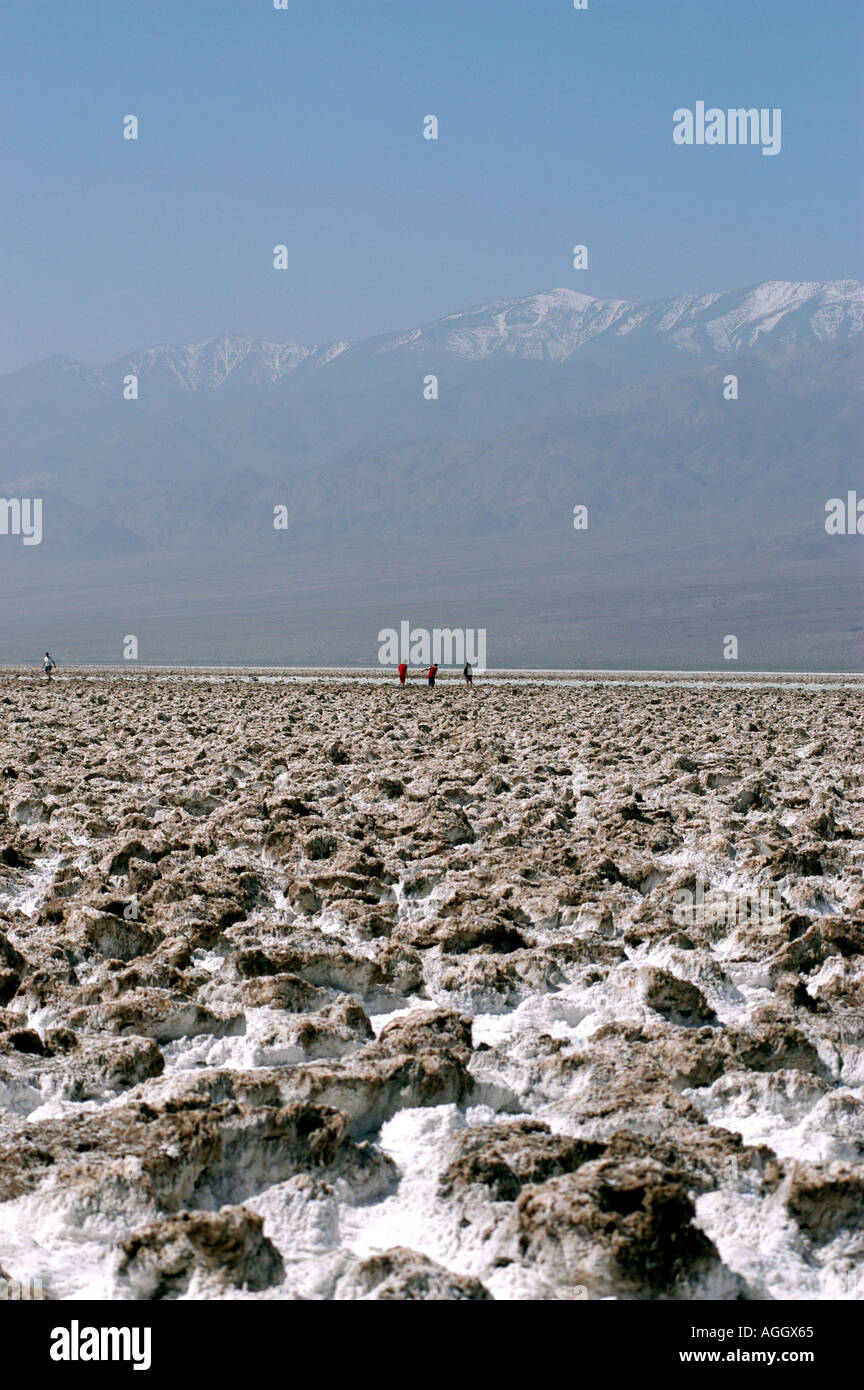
[
  {"x": 706, "y": 515},
  {"x": 556, "y": 326}
]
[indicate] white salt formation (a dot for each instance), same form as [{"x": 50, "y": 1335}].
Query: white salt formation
[{"x": 345, "y": 992}]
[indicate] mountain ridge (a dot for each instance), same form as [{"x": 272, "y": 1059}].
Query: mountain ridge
[
  {"x": 557, "y": 325},
  {"x": 706, "y": 508}
]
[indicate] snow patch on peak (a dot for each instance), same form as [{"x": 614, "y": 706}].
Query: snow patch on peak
[
  {"x": 327, "y": 354},
  {"x": 551, "y": 325},
  {"x": 207, "y": 363},
  {"x": 735, "y": 320}
]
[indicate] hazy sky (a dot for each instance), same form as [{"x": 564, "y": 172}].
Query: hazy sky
[{"x": 304, "y": 127}]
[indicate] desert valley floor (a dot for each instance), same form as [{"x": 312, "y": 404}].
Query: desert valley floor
[{"x": 320, "y": 989}]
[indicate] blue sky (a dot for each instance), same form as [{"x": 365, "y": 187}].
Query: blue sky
[{"x": 303, "y": 127}]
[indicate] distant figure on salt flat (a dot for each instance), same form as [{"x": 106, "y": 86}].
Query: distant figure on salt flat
[
  {"x": 433, "y": 671},
  {"x": 469, "y": 676},
  {"x": 403, "y": 671},
  {"x": 49, "y": 665}
]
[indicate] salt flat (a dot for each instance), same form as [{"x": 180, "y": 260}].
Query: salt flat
[{"x": 315, "y": 988}]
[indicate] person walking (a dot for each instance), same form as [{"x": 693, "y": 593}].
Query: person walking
[
  {"x": 403, "y": 671},
  {"x": 469, "y": 676},
  {"x": 49, "y": 665},
  {"x": 433, "y": 671}
]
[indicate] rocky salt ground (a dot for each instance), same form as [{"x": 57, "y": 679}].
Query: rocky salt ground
[{"x": 342, "y": 992}]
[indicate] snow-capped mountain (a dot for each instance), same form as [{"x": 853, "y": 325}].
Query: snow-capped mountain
[
  {"x": 559, "y": 325},
  {"x": 208, "y": 363},
  {"x": 167, "y": 506},
  {"x": 738, "y": 320},
  {"x": 554, "y": 326},
  {"x": 203, "y": 365},
  {"x": 548, "y": 326}
]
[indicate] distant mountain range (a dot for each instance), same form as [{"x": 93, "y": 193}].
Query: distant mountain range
[
  {"x": 704, "y": 513},
  {"x": 556, "y": 326}
]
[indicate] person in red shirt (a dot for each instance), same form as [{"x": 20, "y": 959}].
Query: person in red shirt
[
  {"x": 433, "y": 671},
  {"x": 403, "y": 671}
]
